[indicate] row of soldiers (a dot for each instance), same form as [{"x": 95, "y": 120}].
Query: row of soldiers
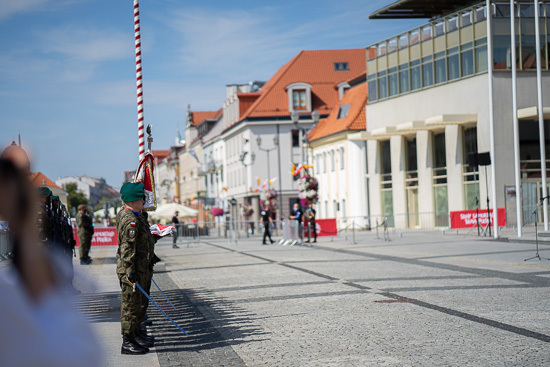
[{"x": 56, "y": 232}]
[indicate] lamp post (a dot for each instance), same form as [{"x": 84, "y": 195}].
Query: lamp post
[
  {"x": 315, "y": 117},
  {"x": 276, "y": 143},
  {"x": 242, "y": 158}
]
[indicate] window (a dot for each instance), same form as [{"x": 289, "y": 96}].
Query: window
[
  {"x": 343, "y": 111},
  {"x": 335, "y": 208},
  {"x": 373, "y": 95},
  {"x": 440, "y": 68},
  {"x": 440, "y": 28},
  {"x": 342, "y": 164},
  {"x": 481, "y": 55},
  {"x": 403, "y": 41},
  {"x": 295, "y": 138},
  {"x": 332, "y": 160},
  {"x": 392, "y": 45},
  {"x": 382, "y": 50},
  {"x": 416, "y": 75},
  {"x": 404, "y": 79},
  {"x": 453, "y": 64},
  {"x": 481, "y": 14},
  {"x": 412, "y": 164},
  {"x": 326, "y": 209},
  {"x": 382, "y": 85},
  {"x": 341, "y": 66},
  {"x": 299, "y": 99},
  {"x": 385, "y": 157},
  {"x": 415, "y": 37},
  {"x": 325, "y": 162},
  {"x": 467, "y": 59},
  {"x": 392, "y": 79},
  {"x": 427, "y": 32},
  {"x": 427, "y": 71},
  {"x": 452, "y": 24},
  {"x": 466, "y": 18}
]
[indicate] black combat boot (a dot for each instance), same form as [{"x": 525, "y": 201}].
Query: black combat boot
[
  {"x": 143, "y": 341},
  {"x": 131, "y": 346}
]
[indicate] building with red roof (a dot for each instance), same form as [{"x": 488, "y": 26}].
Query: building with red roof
[
  {"x": 339, "y": 162},
  {"x": 258, "y": 123}
]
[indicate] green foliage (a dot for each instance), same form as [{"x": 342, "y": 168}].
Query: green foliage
[{"x": 75, "y": 197}]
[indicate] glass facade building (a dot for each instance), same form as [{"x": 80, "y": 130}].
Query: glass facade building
[{"x": 455, "y": 47}]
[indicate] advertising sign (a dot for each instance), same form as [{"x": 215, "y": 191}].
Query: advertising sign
[
  {"x": 107, "y": 236},
  {"x": 468, "y": 218}
]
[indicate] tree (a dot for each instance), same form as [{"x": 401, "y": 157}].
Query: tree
[{"x": 76, "y": 197}]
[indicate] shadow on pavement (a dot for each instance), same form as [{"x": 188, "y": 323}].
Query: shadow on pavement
[{"x": 210, "y": 321}]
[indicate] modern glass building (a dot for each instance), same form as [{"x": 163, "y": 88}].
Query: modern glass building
[{"x": 430, "y": 93}]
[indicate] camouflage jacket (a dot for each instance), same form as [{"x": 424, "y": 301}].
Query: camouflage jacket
[
  {"x": 84, "y": 223},
  {"x": 136, "y": 244}
]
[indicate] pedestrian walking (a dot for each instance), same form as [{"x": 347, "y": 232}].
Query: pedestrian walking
[
  {"x": 85, "y": 232},
  {"x": 312, "y": 228},
  {"x": 298, "y": 215},
  {"x": 267, "y": 223},
  {"x": 175, "y": 223},
  {"x": 133, "y": 266}
]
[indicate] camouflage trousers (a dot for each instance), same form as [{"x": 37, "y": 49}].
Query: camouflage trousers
[
  {"x": 131, "y": 305},
  {"x": 85, "y": 244},
  {"x": 146, "y": 285}
]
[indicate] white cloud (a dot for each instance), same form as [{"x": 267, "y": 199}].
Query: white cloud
[
  {"x": 233, "y": 41},
  {"x": 87, "y": 45},
  {"x": 11, "y": 7}
]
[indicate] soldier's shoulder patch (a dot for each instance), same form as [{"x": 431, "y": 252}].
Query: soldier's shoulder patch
[
  {"x": 132, "y": 224},
  {"x": 131, "y": 233}
]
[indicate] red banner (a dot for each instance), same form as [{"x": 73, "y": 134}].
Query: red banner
[
  {"x": 325, "y": 227},
  {"x": 107, "y": 236},
  {"x": 468, "y": 218}
]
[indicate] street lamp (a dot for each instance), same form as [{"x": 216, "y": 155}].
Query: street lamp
[
  {"x": 315, "y": 117},
  {"x": 276, "y": 143}
]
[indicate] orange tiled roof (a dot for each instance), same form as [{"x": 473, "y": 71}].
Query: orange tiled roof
[
  {"x": 200, "y": 116},
  {"x": 246, "y": 100},
  {"x": 355, "y": 120},
  {"x": 312, "y": 67},
  {"x": 161, "y": 154},
  {"x": 40, "y": 179}
]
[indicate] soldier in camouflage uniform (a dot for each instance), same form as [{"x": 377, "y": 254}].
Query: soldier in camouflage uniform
[
  {"x": 85, "y": 233},
  {"x": 134, "y": 257},
  {"x": 44, "y": 225}
]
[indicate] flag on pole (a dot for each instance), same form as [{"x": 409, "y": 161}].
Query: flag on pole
[{"x": 145, "y": 174}]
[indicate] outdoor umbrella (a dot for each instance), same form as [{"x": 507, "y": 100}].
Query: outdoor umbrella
[{"x": 167, "y": 211}]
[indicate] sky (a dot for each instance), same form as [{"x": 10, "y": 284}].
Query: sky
[{"x": 67, "y": 68}]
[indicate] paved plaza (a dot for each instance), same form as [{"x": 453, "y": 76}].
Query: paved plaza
[{"x": 420, "y": 299}]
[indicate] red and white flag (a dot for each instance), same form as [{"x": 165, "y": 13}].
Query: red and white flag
[{"x": 144, "y": 174}]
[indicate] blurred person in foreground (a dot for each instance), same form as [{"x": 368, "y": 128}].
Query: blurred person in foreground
[
  {"x": 135, "y": 260},
  {"x": 39, "y": 326}
]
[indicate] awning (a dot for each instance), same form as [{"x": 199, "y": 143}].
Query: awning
[
  {"x": 531, "y": 113},
  {"x": 420, "y": 8}
]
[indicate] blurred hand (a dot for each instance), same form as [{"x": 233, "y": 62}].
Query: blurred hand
[{"x": 132, "y": 277}]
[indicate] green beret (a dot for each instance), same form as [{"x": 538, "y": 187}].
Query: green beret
[
  {"x": 42, "y": 191},
  {"x": 132, "y": 191},
  {"x": 55, "y": 198}
]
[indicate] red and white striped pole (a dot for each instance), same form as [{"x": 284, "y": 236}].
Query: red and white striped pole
[{"x": 141, "y": 132}]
